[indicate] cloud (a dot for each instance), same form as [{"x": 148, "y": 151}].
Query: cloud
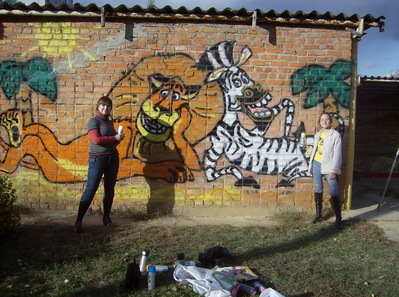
[{"x": 371, "y": 65}]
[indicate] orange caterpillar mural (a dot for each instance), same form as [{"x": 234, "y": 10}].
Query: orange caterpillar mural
[{"x": 164, "y": 106}]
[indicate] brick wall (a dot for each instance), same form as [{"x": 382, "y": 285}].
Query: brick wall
[{"x": 54, "y": 72}]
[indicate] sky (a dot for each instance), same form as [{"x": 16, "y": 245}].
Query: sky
[{"x": 378, "y": 53}]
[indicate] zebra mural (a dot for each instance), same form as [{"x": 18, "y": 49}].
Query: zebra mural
[{"x": 247, "y": 149}]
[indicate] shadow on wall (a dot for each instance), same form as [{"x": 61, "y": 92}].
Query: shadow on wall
[{"x": 162, "y": 198}]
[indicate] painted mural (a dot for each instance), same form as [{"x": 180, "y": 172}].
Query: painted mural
[
  {"x": 23, "y": 143},
  {"x": 58, "y": 40},
  {"x": 325, "y": 85},
  {"x": 167, "y": 110},
  {"x": 251, "y": 150},
  {"x": 169, "y": 104}
]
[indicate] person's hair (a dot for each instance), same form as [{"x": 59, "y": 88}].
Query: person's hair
[
  {"x": 104, "y": 100},
  {"x": 329, "y": 115}
]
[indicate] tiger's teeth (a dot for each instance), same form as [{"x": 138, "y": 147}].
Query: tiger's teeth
[{"x": 158, "y": 129}]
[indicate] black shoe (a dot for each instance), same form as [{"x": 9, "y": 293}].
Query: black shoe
[
  {"x": 107, "y": 221},
  {"x": 316, "y": 220},
  {"x": 78, "y": 227},
  {"x": 338, "y": 224}
]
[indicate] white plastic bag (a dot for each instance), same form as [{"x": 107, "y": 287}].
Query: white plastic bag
[
  {"x": 206, "y": 282},
  {"x": 269, "y": 292}
]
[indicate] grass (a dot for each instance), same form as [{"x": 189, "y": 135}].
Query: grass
[{"x": 294, "y": 257}]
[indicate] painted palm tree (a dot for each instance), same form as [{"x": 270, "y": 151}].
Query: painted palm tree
[
  {"x": 37, "y": 73},
  {"x": 19, "y": 79},
  {"x": 324, "y": 85}
]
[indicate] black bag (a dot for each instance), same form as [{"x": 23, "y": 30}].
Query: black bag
[
  {"x": 216, "y": 255},
  {"x": 133, "y": 276}
]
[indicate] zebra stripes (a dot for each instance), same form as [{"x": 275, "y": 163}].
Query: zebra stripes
[
  {"x": 253, "y": 152},
  {"x": 246, "y": 149}
]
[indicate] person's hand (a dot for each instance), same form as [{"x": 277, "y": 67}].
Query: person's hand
[
  {"x": 332, "y": 176},
  {"x": 119, "y": 137}
]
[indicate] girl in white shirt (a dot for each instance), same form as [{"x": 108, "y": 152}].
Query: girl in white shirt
[{"x": 325, "y": 163}]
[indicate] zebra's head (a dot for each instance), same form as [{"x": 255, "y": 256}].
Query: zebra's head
[
  {"x": 226, "y": 71},
  {"x": 241, "y": 93}
]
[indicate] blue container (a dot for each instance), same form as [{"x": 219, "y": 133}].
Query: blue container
[{"x": 151, "y": 277}]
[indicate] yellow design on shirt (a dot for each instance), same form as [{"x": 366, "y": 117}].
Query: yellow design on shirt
[{"x": 319, "y": 152}]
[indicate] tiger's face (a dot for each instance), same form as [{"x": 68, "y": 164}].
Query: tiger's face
[{"x": 162, "y": 109}]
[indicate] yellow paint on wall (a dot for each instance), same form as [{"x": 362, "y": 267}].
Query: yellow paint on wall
[
  {"x": 78, "y": 170},
  {"x": 28, "y": 181},
  {"x": 58, "y": 39},
  {"x": 132, "y": 194}
]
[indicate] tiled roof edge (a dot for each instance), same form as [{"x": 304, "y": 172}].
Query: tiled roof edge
[
  {"x": 93, "y": 8},
  {"x": 380, "y": 78}
]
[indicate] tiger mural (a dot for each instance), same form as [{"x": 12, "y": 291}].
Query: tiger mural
[{"x": 167, "y": 109}]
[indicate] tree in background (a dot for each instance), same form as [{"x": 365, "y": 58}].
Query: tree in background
[
  {"x": 151, "y": 4},
  {"x": 393, "y": 74}
]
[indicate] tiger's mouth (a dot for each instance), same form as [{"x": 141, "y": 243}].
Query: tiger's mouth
[
  {"x": 152, "y": 129},
  {"x": 156, "y": 123},
  {"x": 152, "y": 126}
]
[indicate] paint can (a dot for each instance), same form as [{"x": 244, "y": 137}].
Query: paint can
[
  {"x": 144, "y": 260},
  {"x": 302, "y": 140},
  {"x": 158, "y": 268},
  {"x": 259, "y": 287},
  {"x": 248, "y": 289},
  {"x": 151, "y": 277}
]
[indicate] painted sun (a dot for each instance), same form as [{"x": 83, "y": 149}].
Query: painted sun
[{"x": 58, "y": 40}]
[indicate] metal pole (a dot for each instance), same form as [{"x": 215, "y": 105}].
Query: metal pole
[{"x": 389, "y": 178}]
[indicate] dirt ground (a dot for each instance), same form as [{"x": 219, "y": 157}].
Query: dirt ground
[
  {"x": 366, "y": 197},
  {"x": 180, "y": 217}
]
